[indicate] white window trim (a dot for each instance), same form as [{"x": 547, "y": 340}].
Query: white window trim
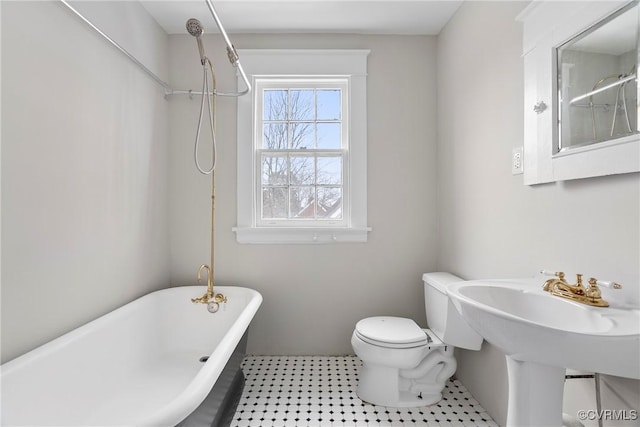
[{"x": 304, "y": 63}]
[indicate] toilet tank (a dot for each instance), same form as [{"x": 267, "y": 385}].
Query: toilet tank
[{"x": 442, "y": 317}]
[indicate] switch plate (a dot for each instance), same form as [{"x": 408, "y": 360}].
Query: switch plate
[{"x": 517, "y": 163}]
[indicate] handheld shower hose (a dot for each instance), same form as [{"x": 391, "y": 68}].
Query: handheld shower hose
[{"x": 195, "y": 28}]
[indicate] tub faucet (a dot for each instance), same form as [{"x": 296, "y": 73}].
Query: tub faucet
[
  {"x": 210, "y": 296},
  {"x": 590, "y": 295}
]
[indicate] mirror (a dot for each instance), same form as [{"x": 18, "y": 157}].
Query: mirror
[{"x": 597, "y": 82}]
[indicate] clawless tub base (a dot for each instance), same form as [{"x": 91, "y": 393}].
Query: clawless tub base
[
  {"x": 219, "y": 407},
  {"x": 152, "y": 362}
]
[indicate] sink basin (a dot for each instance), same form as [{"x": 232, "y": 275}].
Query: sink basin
[
  {"x": 541, "y": 335},
  {"x": 538, "y": 308}
]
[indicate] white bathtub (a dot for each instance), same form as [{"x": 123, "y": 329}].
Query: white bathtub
[{"x": 136, "y": 366}]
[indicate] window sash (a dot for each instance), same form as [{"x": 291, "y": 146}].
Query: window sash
[
  {"x": 323, "y": 178},
  {"x": 283, "y": 187}
]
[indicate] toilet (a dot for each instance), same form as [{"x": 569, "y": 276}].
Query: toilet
[{"x": 404, "y": 365}]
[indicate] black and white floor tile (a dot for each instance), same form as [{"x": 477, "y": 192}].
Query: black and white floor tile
[{"x": 318, "y": 391}]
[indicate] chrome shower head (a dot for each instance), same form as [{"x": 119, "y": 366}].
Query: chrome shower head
[{"x": 195, "y": 28}]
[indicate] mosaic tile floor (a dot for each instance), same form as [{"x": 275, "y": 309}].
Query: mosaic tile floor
[{"x": 319, "y": 391}]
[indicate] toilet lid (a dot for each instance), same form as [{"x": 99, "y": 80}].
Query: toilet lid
[{"x": 391, "y": 330}]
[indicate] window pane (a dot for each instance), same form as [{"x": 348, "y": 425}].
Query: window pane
[
  {"x": 274, "y": 105},
  {"x": 302, "y": 135},
  {"x": 302, "y": 202},
  {"x": 274, "y": 170},
  {"x": 274, "y": 136},
  {"x": 301, "y": 105},
  {"x": 302, "y": 170},
  {"x": 274, "y": 202},
  {"x": 329, "y": 170},
  {"x": 329, "y": 135},
  {"x": 329, "y": 104},
  {"x": 329, "y": 203}
]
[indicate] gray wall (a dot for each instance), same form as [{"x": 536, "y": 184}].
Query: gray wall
[
  {"x": 84, "y": 168},
  {"x": 490, "y": 224},
  {"x": 314, "y": 294}
]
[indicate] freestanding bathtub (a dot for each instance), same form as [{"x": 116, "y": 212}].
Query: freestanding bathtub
[{"x": 152, "y": 362}]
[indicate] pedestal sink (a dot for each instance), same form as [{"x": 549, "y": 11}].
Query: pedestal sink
[{"x": 541, "y": 335}]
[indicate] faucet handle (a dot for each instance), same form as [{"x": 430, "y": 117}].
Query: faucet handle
[
  {"x": 558, "y": 274},
  {"x": 607, "y": 283},
  {"x": 593, "y": 292},
  {"x": 219, "y": 298}
]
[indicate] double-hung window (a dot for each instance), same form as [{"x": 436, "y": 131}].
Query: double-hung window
[
  {"x": 302, "y": 147},
  {"x": 302, "y": 141}
]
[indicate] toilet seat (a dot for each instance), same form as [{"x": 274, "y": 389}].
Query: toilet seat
[{"x": 391, "y": 332}]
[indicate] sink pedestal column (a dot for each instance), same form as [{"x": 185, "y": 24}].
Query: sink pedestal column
[{"x": 535, "y": 394}]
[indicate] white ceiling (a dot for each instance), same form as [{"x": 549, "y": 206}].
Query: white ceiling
[{"x": 308, "y": 16}]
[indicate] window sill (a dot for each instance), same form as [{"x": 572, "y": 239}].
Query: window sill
[{"x": 282, "y": 235}]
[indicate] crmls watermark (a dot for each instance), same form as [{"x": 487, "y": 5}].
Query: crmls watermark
[{"x": 609, "y": 414}]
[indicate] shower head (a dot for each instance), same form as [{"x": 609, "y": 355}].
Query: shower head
[{"x": 195, "y": 28}]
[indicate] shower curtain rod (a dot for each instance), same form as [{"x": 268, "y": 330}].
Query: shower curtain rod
[
  {"x": 168, "y": 89},
  {"x": 619, "y": 82},
  {"x": 231, "y": 52}
]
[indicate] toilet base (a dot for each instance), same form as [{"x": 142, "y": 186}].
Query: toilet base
[
  {"x": 401, "y": 377},
  {"x": 380, "y": 385}
]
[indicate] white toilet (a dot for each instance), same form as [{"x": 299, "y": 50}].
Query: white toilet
[{"x": 404, "y": 365}]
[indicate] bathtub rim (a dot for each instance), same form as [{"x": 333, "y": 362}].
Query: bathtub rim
[{"x": 191, "y": 397}]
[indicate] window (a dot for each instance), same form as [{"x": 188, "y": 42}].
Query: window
[
  {"x": 302, "y": 147},
  {"x": 301, "y": 138}
]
